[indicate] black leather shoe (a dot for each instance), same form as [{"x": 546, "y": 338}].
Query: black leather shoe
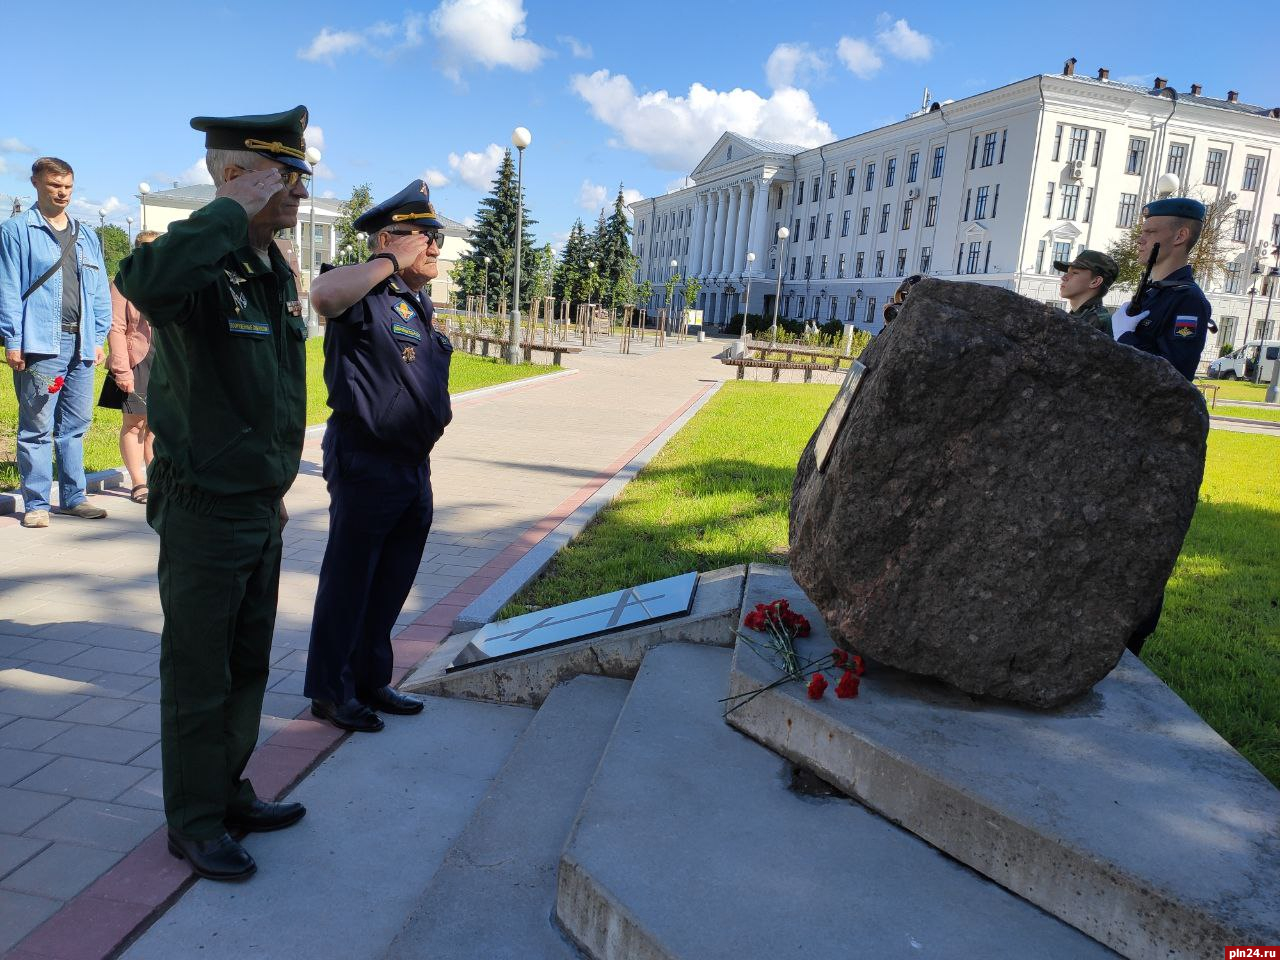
[
  {"x": 388, "y": 700},
  {"x": 263, "y": 817},
  {"x": 352, "y": 715},
  {"x": 218, "y": 859}
]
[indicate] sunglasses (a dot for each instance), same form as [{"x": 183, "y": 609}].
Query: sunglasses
[
  {"x": 434, "y": 236},
  {"x": 290, "y": 178}
]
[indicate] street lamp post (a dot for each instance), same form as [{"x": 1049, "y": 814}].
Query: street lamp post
[
  {"x": 143, "y": 189},
  {"x": 1273, "y": 275},
  {"x": 746, "y": 305},
  {"x": 671, "y": 320},
  {"x": 520, "y": 138},
  {"x": 102, "y": 222},
  {"x": 129, "y": 221},
  {"x": 485, "y": 307},
  {"x": 783, "y": 233}
]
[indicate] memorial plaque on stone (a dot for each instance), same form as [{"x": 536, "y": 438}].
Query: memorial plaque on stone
[
  {"x": 581, "y": 620},
  {"x": 836, "y": 413}
]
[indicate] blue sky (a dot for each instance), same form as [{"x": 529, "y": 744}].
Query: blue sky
[{"x": 613, "y": 93}]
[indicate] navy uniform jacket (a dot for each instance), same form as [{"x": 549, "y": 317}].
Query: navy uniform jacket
[
  {"x": 1178, "y": 324},
  {"x": 387, "y": 370}
]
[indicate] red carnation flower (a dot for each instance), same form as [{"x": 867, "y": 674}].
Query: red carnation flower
[
  {"x": 848, "y": 685},
  {"x": 839, "y": 657},
  {"x": 859, "y": 668},
  {"x": 817, "y": 686},
  {"x": 58, "y": 381}
]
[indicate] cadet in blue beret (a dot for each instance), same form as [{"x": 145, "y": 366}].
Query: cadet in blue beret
[
  {"x": 387, "y": 370},
  {"x": 1174, "y": 318}
]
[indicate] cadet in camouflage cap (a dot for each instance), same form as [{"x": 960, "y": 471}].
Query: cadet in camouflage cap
[{"x": 1085, "y": 281}]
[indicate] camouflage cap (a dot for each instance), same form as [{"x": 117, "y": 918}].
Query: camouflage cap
[{"x": 1094, "y": 261}]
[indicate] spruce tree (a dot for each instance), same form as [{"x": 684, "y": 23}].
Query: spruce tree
[
  {"x": 493, "y": 237},
  {"x": 617, "y": 264},
  {"x": 571, "y": 272}
]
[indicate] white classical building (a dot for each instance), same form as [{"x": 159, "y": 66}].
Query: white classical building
[{"x": 992, "y": 188}]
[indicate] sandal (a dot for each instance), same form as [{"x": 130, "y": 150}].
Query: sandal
[{"x": 137, "y": 497}]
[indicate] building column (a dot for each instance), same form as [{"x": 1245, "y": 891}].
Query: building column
[
  {"x": 696, "y": 232},
  {"x": 709, "y": 233},
  {"x": 731, "y": 229},
  {"x": 717, "y": 237},
  {"x": 744, "y": 228},
  {"x": 759, "y": 240}
]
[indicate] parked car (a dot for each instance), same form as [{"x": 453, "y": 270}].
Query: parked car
[{"x": 1240, "y": 363}]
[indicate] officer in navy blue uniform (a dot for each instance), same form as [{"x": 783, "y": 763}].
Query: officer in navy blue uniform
[
  {"x": 387, "y": 370},
  {"x": 1174, "y": 318}
]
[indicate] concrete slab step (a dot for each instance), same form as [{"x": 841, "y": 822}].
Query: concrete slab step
[
  {"x": 382, "y": 811},
  {"x": 1123, "y": 814},
  {"x": 493, "y": 897},
  {"x": 527, "y": 679},
  {"x": 690, "y": 845}
]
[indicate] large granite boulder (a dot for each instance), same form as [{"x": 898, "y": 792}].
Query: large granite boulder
[{"x": 1005, "y": 499}]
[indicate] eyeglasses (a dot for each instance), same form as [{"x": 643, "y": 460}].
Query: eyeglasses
[
  {"x": 433, "y": 236},
  {"x": 290, "y": 179}
]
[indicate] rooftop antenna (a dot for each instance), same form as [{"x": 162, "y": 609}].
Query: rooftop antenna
[{"x": 924, "y": 101}]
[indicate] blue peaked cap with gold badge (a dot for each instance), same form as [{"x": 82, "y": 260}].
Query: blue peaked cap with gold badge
[
  {"x": 410, "y": 207},
  {"x": 276, "y": 136}
]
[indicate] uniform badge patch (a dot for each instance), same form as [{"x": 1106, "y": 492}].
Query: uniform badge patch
[
  {"x": 404, "y": 310},
  {"x": 400, "y": 330},
  {"x": 255, "y": 328},
  {"x": 1185, "y": 326},
  {"x": 408, "y": 354},
  {"x": 295, "y": 308}
]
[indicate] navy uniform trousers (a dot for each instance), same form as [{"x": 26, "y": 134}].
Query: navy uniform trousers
[{"x": 379, "y": 516}]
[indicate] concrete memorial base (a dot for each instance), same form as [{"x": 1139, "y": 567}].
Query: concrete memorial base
[{"x": 1121, "y": 813}]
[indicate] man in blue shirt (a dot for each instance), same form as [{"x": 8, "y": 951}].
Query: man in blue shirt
[{"x": 55, "y": 311}]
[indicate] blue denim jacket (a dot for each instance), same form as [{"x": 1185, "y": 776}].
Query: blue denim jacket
[{"x": 27, "y": 249}]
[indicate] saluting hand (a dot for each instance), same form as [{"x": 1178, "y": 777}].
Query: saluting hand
[
  {"x": 252, "y": 189},
  {"x": 407, "y": 248}
]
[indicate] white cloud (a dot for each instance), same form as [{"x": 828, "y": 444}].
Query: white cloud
[
  {"x": 4, "y": 165},
  {"x": 314, "y": 137},
  {"x": 675, "y": 132},
  {"x": 470, "y": 224},
  {"x": 88, "y": 209},
  {"x": 903, "y": 42},
  {"x": 434, "y": 178},
  {"x": 196, "y": 173},
  {"x": 487, "y": 32},
  {"x": 382, "y": 40},
  {"x": 14, "y": 145},
  {"x": 679, "y": 183},
  {"x": 576, "y": 47},
  {"x": 330, "y": 44},
  {"x": 630, "y": 196},
  {"x": 793, "y": 65},
  {"x": 476, "y": 170},
  {"x": 859, "y": 56},
  {"x": 324, "y": 172},
  {"x": 591, "y": 196},
  {"x": 328, "y": 195}
]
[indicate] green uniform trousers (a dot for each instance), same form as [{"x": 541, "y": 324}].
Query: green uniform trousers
[{"x": 219, "y": 581}]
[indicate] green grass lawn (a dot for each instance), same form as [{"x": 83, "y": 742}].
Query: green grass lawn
[
  {"x": 1249, "y": 413},
  {"x": 102, "y": 448},
  {"x": 1237, "y": 390},
  {"x": 718, "y": 494}
]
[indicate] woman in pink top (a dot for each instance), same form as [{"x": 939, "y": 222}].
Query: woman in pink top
[{"x": 130, "y": 365}]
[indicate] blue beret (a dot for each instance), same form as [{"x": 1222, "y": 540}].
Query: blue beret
[
  {"x": 1183, "y": 207},
  {"x": 411, "y": 207}
]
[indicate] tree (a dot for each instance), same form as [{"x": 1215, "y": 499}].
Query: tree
[
  {"x": 644, "y": 293},
  {"x": 347, "y": 235},
  {"x": 671, "y": 284},
  {"x": 494, "y": 236},
  {"x": 615, "y": 262},
  {"x": 115, "y": 247},
  {"x": 570, "y": 281},
  {"x": 691, "y": 290},
  {"x": 541, "y": 272}
]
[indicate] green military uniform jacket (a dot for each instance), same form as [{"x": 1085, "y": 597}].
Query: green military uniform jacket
[
  {"x": 1094, "y": 314},
  {"x": 227, "y": 398}
]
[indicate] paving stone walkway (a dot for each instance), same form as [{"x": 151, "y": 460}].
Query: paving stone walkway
[{"x": 80, "y": 620}]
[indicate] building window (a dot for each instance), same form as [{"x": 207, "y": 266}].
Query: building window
[
  {"x": 1213, "y": 167},
  {"x": 884, "y": 218},
  {"x": 808, "y": 267},
  {"x": 1040, "y": 257},
  {"x": 795, "y": 233},
  {"x": 813, "y": 194},
  {"x": 926, "y": 257},
  {"x": 791, "y": 274},
  {"x": 1128, "y": 210},
  {"x": 1079, "y": 143},
  {"x": 995, "y": 202},
  {"x": 871, "y": 177},
  {"x": 989, "y": 149},
  {"x": 871, "y": 310},
  {"x": 1088, "y": 205},
  {"x": 1275, "y": 230},
  {"x": 822, "y": 268},
  {"x": 931, "y": 212},
  {"x": 980, "y": 210},
  {"x": 1136, "y": 159},
  {"x": 975, "y": 251},
  {"x": 906, "y": 214},
  {"x": 840, "y": 267},
  {"x": 1048, "y": 201},
  {"x": 799, "y": 192},
  {"x": 813, "y": 227},
  {"x": 800, "y": 310},
  {"x": 1057, "y": 143},
  {"x": 1252, "y": 173},
  {"x": 859, "y": 263},
  {"x": 1097, "y": 150},
  {"x": 853, "y": 305},
  {"x": 641, "y": 228},
  {"x": 831, "y": 191},
  {"x": 1004, "y": 136},
  {"x": 1243, "y": 221},
  {"x": 779, "y": 199},
  {"x": 844, "y": 223},
  {"x": 973, "y": 157},
  {"x": 826, "y": 228},
  {"x": 817, "y": 302},
  {"x": 835, "y": 305},
  {"x": 1233, "y": 278},
  {"x": 890, "y": 170},
  {"x": 1177, "y": 158},
  {"x": 986, "y": 261},
  {"x": 900, "y": 267},
  {"x": 1226, "y": 331},
  {"x": 851, "y": 181},
  {"x": 968, "y": 197},
  {"x": 939, "y": 156},
  {"x": 1062, "y": 251},
  {"x": 1070, "y": 199},
  {"x": 866, "y": 219},
  {"x": 913, "y": 167},
  {"x": 879, "y": 263}
]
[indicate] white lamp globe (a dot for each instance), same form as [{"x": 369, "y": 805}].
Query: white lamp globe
[
  {"x": 1167, "y": 185},
  {"x": 521, "y": 137},
  {"x": 783, "y": 233}
]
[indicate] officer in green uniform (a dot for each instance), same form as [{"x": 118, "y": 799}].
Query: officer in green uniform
[
  {"x": 228, "y": 407},
  {"x": 1085, "y": 281}
]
